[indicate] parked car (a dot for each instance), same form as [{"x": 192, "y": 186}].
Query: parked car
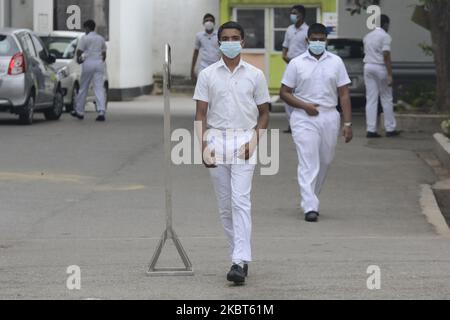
[
  {"x": 352, "y": 52},
  {"x": 64, "y": 45},
  {"x": 29, "y": 82}
]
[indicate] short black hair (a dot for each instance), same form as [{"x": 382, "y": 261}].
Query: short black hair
[
  {"x": 317, "y": 28},
  {"x": 90, "y": 24},
  {"x": 301, "y": 9},
  {"x": 231, "y": 25},
  {"x": 209, "y": 15},
  {"x": 385, "y": 20}
]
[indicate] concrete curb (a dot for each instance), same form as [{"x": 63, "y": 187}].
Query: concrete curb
[
  {"x": 442, "y": 149},
  {"x": 431, "y": 210}
]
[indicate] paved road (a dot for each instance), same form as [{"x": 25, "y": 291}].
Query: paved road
[{"x": 89, "y": 194}]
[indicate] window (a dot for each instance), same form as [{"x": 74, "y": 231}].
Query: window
[
  {"x": 347, "y": 48},
  {"x": 27, "y": 45},
  {"x": 42, "y": 52},
  {"x": 8, "y": 46},
  {"x": 61, "y": 47},
  {"x": 282, "y": 21},
  {"x": 253, "y": 22},
  {"x": 97, "y": 10}
]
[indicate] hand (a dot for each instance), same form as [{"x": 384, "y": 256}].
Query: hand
[
  {"x": 209, "y": 158},
  {"x": 247, "y": 151},
  {"x": 348, "y": 134},
  {"x": 390, "y": 81},
  {"x": 311, "y": 109}
]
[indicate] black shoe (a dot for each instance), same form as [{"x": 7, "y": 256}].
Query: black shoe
[
  {"x": 100, "y": 118},
  {"x": 246, "y": 270},
  {"x": 77, "y": 115},
  {"x": 312, "y": 216},
  {"x": 236, "y": 274},
  {"x": 288, "y": 131},
  {"x": 393, "y": 134},
  {"x": 373, "y": 135}
]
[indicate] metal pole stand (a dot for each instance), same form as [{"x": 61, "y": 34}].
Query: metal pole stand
[{"x": 169, "y": 234}]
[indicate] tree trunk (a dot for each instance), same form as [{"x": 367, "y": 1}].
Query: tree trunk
[{"x": 440, "y": 33}]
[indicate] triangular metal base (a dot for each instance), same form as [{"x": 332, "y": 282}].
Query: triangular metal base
[{"x": 169, "y": 234}]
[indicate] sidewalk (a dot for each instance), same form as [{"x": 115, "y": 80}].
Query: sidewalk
[{"x": 371, "y": 215}]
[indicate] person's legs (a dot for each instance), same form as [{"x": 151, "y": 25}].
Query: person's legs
[
  {"x": 241, "y": 187},
  {"x": 221, "y": 178},
  {"x": 330, "y": 132},
  {"x": 307, "y": 139},
  {"x": 372, "y": 94},
  {"x": 387, "y": 101},
  {"x": 99, "y": 90},
  {"x": 87, "y": 74}
]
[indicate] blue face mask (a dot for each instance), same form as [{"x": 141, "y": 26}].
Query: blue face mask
[
  {"x": 231, "y": 49},
  {"x": 317, "y": 47},
  {"x": 294, "y": 18}
]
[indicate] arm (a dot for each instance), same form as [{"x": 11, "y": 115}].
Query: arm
[
  {"x": 200, "y": 116},
  {"x": 247, "y": 150},
  {"x": 344, "y": 94},
  {"x": 194, "y": 62},
  {"x": 287, "y": 96},
  {"x": 285, "y": 55},
  {"x": 388, "y": 63}
]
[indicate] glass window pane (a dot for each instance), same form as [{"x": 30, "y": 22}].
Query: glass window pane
[
  {"x": 311, "y": 16},
  {"x": 282, "y": 17},
  {"x": 8, "y": 46},
  {"x": 253, "y": 22},
  {"x": 279, "y": 39}
]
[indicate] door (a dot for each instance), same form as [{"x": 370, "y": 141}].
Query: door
[{"x": 48, "y": 71}]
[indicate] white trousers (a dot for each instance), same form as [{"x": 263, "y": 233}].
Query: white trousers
[
  {"x": 376, "y": 79},
  {"x": 92, "y": 70},
  {"x": 316, "y": 139},
  {"x": 233, "y": 186}
]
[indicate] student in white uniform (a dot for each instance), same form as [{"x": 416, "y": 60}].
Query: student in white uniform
[
  {"x": 311, "y": 85},
  {"x": 91, "y": 54},
  {"x": 378, "y": 79},
  {"x": 206, "y": 46},
  {"x": 295, "y": 42},
  {"x": 233, "y": 104}
]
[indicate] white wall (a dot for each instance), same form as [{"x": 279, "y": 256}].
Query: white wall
[
  {"x": 131, "y": 43},
  {"x": 43, "y": 15},
  {"x": 406, "y": 34},
  {"x": 22, "y": 14},
  {"x": 176, "y": 22}
]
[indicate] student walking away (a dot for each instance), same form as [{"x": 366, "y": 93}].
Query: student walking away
[
  {"x": 378, "y": 79},
  {"x": 295, "y": 42},
  {"x": 206, "y": 46},
  {"x": 91, "y": 54},
  {"x": 233, "y": 106},
  {"x": 311, "y": 85}
]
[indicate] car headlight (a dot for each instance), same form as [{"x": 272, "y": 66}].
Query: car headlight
[{"x": 63, "y": 72}]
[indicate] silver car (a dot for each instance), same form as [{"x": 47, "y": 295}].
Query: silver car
[
  {"x": 28, "y": 81},
  {"x": 64, "y": 44},
  {"x": 352, "y": 52}
]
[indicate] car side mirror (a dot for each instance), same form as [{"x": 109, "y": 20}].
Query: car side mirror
[{"x": 51, "y": 59}]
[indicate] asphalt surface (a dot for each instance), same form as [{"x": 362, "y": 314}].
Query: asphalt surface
[{"x": 92, "y": 195}]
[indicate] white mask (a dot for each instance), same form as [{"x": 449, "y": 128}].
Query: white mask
[{"x": 209, "y": 25}]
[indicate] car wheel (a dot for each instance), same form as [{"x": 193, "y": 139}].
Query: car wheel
[
  {"x": 27, "y": 115},
  {"x": 75, "y": 91},
  {"x": 58, "y": 105}
]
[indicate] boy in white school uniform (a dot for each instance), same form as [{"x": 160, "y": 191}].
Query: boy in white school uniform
[
  {"x": 311, "y": 85},
  {"x": 233, "y": 106}
]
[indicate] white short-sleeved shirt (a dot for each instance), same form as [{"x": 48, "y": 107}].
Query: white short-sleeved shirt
[
  {"x": 375, "y": 43},
  {"x": 317, "y": 81},
  {"x": 295, "y": 40},
  {"x": 93, "y": 45},
  {"x": 208, "y": 46},
  {"x": 233, "y": 98}
]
